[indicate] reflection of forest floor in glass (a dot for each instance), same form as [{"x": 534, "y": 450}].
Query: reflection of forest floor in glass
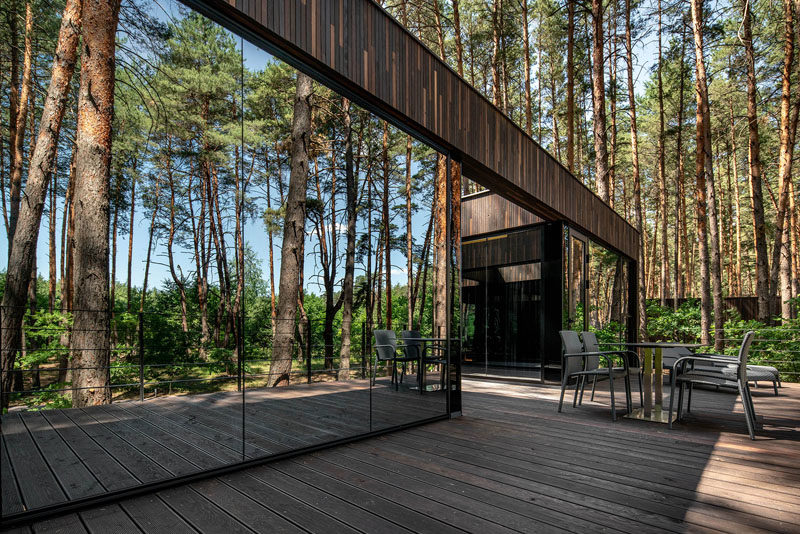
[{"x": 54, "y": 456}]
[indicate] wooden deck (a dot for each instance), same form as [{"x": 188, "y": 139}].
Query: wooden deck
[{"x": 511, "y": 463}]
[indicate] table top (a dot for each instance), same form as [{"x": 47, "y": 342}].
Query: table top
[{"x": 663, "y": 345}]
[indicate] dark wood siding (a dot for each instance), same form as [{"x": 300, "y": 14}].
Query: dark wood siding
[
  {"x": 356, "y": 46},
  {"x": 485, "y": 212}
]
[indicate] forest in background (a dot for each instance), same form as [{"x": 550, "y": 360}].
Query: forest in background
[{"x": 692, "y": 142}]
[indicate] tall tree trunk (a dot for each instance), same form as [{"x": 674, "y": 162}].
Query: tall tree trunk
[
  {"x": 25, "y": 98},
  {"x": 459, "y": 43},
  {"x": 612, "y": 94},
  {"x": 409, "y": 239},
  {"x": 681, "y": 248},
  {"x": 570, "y": 85},
  {"x": 351, "y": 192},
  {"x": 293, "y": 235},
  {"x": 526, "y": 52},
  {"x": 662, "y": 175},
  {"x": 754, "y": 157},
  {"x": 148, "y": 255},
  {"x": 53, "y": 262},
  {"x": 13, "y": 100},
  {"x": 497, "y": 6},
  {"x": 178, "y": 280},
  {"x": 131, "y": 221},
  {"x": 24, "y": 250},
  {"x": 90, "y": 339},
  {"x": 788, "y": 124},
  {"x": 637, "y": 186},
  {"x": 703, "y": 155},
  {"x": 602, "y": 185},
  {"x": 387, "y": 233}
]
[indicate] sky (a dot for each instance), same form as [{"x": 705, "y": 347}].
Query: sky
[{"x": 255, "y": 235}]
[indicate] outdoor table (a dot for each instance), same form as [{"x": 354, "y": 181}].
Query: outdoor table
[
  {"x": 420, "y": 371},
  {"x": 652, "y": 373}
]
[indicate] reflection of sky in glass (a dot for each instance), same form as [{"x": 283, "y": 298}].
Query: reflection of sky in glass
[{"x": 254, "y": 232}]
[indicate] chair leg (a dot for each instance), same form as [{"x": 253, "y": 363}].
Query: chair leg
[
  {"x": 628, "y": 399},
  {"x": 583, "y": 388},
  {"x": 594, "y": 384},
  {"x": 563, "y": 387},
  {"x": 689, "y": 400},
  {"x": 394, "y": 375},
  {"x": 671, "y": 398},
  {"x": 775, "y": 387},
  {"x": 641, "y": 389},
  {"x": 577, "y": 387},
  {"x": 611, "y": 390},
  {"x": 680, "y": 401},
  {"x": 743, "y": 393}
]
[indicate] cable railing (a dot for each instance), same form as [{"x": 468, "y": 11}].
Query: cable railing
[{"x": 138, "y": 357}]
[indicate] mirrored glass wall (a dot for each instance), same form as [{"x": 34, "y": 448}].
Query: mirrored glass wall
[{"x": 279, "y": 266}]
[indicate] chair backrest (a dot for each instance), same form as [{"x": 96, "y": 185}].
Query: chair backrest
[
  {"x": 590, "y": 344},
  {"x": 412, "y": 346},
  {"x": 744, "y": 351},
  {"x": 386, "y": 344},
  {"x": 572, "y": 344}
]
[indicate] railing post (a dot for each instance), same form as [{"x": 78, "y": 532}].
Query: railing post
[
  {"x": 308, "y": 349},
  {"x": 363, "y": 349},
  {"x": 141, "y": 356}
]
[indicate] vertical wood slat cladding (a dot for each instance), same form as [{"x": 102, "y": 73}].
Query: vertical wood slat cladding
[
  {"x": 485, "y": 212},
  {"x": 374, "y": 57}
]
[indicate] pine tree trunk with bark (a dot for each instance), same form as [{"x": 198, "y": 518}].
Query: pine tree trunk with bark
[
  {"x": 755, "y": 179},
  {"x": 90, "y": 337},
  {"x": 293, "y": 236},
  {"x": 24, "y": 250},
  {"x": 602, "y": 185},
  {"x": 701, "y": 191}
]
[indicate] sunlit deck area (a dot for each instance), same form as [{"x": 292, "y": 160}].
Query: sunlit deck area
[{"x": 511, "y": 463}]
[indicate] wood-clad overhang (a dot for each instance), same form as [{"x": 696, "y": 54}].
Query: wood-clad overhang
[{"x": 357, "y": 48}]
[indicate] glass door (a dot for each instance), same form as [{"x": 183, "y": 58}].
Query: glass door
[{"x": 576, "y": 279}]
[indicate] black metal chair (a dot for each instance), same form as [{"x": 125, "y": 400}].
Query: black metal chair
[
  {"x": 590, "y": 344},
  {"x": 424, "y": 354},
  {"x": 386, "y": 351},
  {"x": 581, "y": 364},
  {"x": 684, "y": 374}
]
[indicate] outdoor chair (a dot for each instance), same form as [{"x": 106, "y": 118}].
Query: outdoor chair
[
  {"x": 575, "y": 364},
  {"x": 755, "y": 373},
  {"x": 683, "y": 376},
  {"x": 414, "y": 348},
  {"x": 386, "y": 351},
  {"x": 590, "y": 344}
]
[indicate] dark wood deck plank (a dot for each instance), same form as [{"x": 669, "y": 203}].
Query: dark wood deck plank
[
  {"x": 169, "y": 440},
  {"x": 152, "y": 515},
  {"x": 511, "y": 463},
  {"x": 66, "y": 524},
  {"x": 640, "y": 478},
  {"x": 381, "y": 505},
  {"x": 453, "y": 517},
  {"x": 106, "y": 467},
  {"x": 246, "y": 510},
  {"x": 202, "y": 514},
  {"x": 154, "y": 450},
  {"x": 38, "y": 486},
  {"x": 73, "y": 476},
  {"x": 329, "y": 503},
  {"x": 211, "y": 445},
  {"x": 296, "y": 511},
  {"x": 12, "y": 500},
  {"x": 490, "y": 517},
  {"x": 108, "y": 519},
  {"x": 131, "y": 458}
]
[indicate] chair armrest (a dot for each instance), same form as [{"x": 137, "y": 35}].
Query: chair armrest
[
  {"x": 606, "y": 355},
  {"x": 682, "y": 361}
]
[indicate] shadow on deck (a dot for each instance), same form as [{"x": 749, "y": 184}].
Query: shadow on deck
[{"x": 511, "y": 463}]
